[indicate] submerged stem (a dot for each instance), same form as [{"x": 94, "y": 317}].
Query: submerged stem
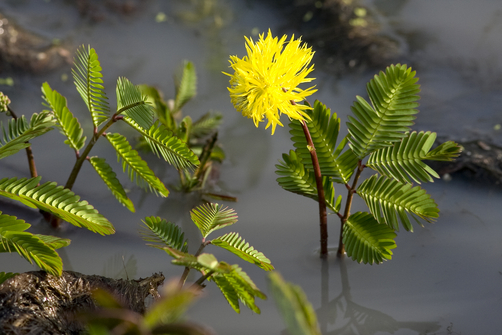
[{"x": 348, "y": 205}]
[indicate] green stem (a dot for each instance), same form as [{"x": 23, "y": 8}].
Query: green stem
[
  {"x": 199, "y": 281},
  {"x": 85, "y": 153},
  {"x": 187, "y": 269},
  {"x": 29, "y": 152},
  {"x": 348, "y": 205},
  {"x": 323, "y": 216}
]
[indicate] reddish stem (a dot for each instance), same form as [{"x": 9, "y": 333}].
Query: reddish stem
[{"x": 323, "y": 216}]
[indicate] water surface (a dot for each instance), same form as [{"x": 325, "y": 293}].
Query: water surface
[{"x": 444, "y": 279}]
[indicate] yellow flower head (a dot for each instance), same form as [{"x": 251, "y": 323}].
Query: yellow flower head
[{"x": 265, "y": 82}]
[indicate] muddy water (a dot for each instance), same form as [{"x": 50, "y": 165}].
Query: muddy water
[{"x": 445, "y": 278}]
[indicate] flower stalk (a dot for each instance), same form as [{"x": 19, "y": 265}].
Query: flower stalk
[{"x": 323, "y": 216}]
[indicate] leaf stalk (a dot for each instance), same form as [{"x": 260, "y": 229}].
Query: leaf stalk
[
  {"x": 187, "y": 269},
  {"x": 350, "y": 194},
  {"x": 87, "y": 150},
  {"x": 29, "y": 152}
]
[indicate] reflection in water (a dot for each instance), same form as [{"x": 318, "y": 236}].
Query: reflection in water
[
  {"x": 120, "y": 266},
  {"x": 354, "y": 319}
]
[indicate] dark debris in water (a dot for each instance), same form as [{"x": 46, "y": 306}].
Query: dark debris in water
[
  {"x": 479, "y": 160},
  {"x": 22, "y": 49},
  {"x": 99, "y": 10},
  {"x": 345, "y": 34},
  {"x": 39, "y": 303}
]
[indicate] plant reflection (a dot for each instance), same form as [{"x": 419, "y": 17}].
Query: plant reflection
[{"x": 351, "y": 318}]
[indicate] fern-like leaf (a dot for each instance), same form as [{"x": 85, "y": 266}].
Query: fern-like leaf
[
  {"x": 180, "y": 257},
  {"x": 67, "y": 123},
  {"x": 445, "y": 152},
  {"x": 20, "y": 131},
  {"x": 164, "y": 143},
  {"x": 393, "y": 95},
  {"x": 366, "y": 240},
  {"x": 131, "y": 103},
  {"x": 161, "y": 108},
  {"x": 324, "y": 129},
  {"x": 237, "y": 286},
  {"x": 293, "y": 305},
  {"x": 211, "y": 217},
  {"x": 237, "y": 245},
  {"x": 170, "y": 310},
  {"x": 110, "y": 178},
  {"x": 186, "y": 85},
  {"x": 29, "y": 246},
  {"x": 404, "y": 160},
  {"x": 54, "y": 242},
  {"x": 205, "y": 125},
  {"x": 389, "y": 199},
  {"x": 87, "y": 76},
  {"x": 204, "y": 263},
  {"x": 57, "y": 200},
  {"x": 297, "y": 179},
  {"x": 136, "y": 168},
  {"x": 162, "y": 232}
]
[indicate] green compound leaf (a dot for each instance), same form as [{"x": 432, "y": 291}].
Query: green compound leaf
[
  {"x": 110, "y": 178},
  {"x": 181, "y": 258},
  {"x": 57, "y": 200},
  {"x": 164, "y": 143},
  {"x": 205, "y": 125},
  {"x": 67, "y": 123},
  {"x": 54, "y": 242},
  {"x": 204, "y": 263},
  {"x": 211, "y": 217},
  {"x": 403, "y": 160},
  {"x": 366, "y": 240},
  {"x": 393, "y": 95},
  {"x": 186, "y": 85},
  {"x": 389, "y": 199},
  {"x": 295, "y": 178},
  {"x": 324, "y": 129},
  {"x": 171, "y": 308},
  {"x": 237, "y": 245},
  {"x": 155, "y": 98},
  {"x": 292, "y": 303},
  {"x": 164, "y": 233},
  {"x": 236, "y": 287},
  {"x": 87, "y": 76},
  {"x": 135, "y": 166},
  {"x": 445, "y": 152},
  {"x": 21, "y": 131},
  {"x": 131, "y": 103},
  {"x": 29, "y": 246}
]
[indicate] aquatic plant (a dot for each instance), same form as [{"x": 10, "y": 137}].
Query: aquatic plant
[
  {"x": 297, "y": 312},
  {"x": 60, "y": 203},
  {"x": 166, "y": 315},
  {"x": 233, "y": 282},
  {"x": 200, "y": 135},
  {"x": 379, "y": 131}
]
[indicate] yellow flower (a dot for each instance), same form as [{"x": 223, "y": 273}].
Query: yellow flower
[{"x": 265, "y": 82}]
